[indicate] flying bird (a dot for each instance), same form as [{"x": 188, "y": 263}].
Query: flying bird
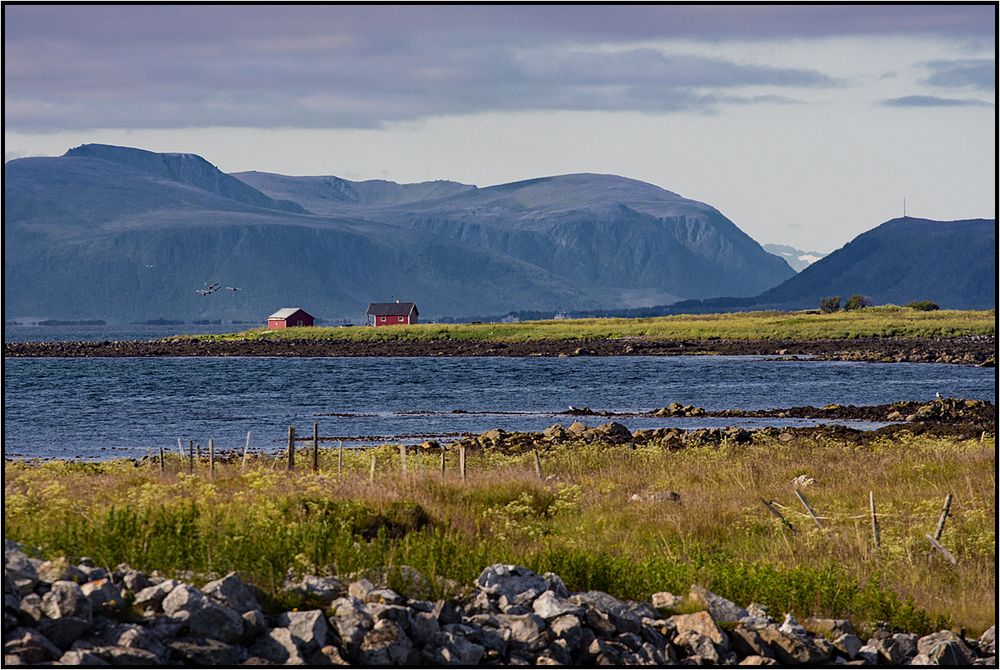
[
  {"x": 232, "y": 288},
  {"x": 212, "y": 288}
]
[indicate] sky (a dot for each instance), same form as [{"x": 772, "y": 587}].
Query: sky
[{"x": 805, "y": 125}]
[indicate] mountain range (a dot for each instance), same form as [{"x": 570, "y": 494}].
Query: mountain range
[{"x": 127, "y": 234}]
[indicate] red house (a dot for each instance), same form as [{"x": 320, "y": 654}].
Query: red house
[
  {"x": 391, "y": 313},
  {"x": 290, "y": 317}
]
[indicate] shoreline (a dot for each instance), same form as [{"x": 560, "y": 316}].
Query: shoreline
[{"x": 962, "y": 350}]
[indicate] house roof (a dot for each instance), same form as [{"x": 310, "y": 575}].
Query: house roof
[
  {"x": 391, "y": 308},
  {"x": 286, "y": 312}
]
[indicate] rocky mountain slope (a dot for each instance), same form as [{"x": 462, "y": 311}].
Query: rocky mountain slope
[
  {"x": 125, "y": 234},
  {"x": 952, "y": 263}
]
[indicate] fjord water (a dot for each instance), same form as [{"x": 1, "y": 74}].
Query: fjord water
[{"x": 98, "y": 408}]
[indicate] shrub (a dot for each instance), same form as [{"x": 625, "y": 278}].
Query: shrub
[
  {"x": 858, "y": 301},
  {"x": 924, "y": 305},
  {"x": 828, "y": 305}
]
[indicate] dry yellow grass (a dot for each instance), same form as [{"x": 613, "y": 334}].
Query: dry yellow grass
[{"x": 580, "y": 523}]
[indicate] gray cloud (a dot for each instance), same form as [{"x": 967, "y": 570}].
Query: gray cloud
[
  {"x": 973, "y": 73},
  {"x": 933, "y": 101},
  {"x": 163, "y": 66}
]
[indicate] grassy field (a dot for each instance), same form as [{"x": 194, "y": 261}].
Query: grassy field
[
  {"x": 875, "y": 321},
  {"x": 580, "y": 524}
]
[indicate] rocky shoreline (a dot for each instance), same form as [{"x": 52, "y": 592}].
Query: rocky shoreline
[
  {"x": 57, "y": 612},
  {"x": 964, "y": 350}
]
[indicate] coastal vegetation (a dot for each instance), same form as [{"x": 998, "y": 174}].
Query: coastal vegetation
[
  {"x": 629, "y": 521},
  {"x": 884, "y": 321}
]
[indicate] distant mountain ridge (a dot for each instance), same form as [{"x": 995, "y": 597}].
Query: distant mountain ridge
[
  {"x": 126, "y": 234},
  {"x": 797, "y": 258}
]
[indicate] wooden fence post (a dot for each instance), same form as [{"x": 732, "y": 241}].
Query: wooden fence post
[
  {"x": 315, "y": 447},
  {"x": 402, "y": 457},
  {"x": 246, "y": 449},
  {"x": 774, "y": 510},
  {"x": 340, "y": 460},
  {"x": 197, "y": 446},
  {"x": 940, "y": 547},
  {"x": 442, "y": 462},
  {"x": 805, "y": 503},
  {"x": 180, "y": 449},
  {"x": 190, "y": 457},
  {"x": 291, "y": 449},
  {"x": 149, "y": 455},
  {"x": 371, "y": 472},
  {"x": 875, "y": 532},
  {"x": 211, "y": 458},
  {"x": 943, "y": 518},
  {"x": 538, "y": 464},
  {"x": 461, "y": 461},
  {"x": 161, "y": 460}
]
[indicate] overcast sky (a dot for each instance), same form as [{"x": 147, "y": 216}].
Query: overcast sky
[{"x": 805, "y": 125}]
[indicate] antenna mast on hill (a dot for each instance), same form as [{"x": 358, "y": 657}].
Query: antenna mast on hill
[{"x": 904, "y": 208}]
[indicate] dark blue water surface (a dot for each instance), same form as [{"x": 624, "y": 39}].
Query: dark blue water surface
[{"x": 108, "y": 407}]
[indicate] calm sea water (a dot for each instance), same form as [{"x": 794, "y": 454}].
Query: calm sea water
[{"x": 95, "y": 408}]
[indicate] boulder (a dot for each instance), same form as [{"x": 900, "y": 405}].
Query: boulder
[
  {"x": 63, "y": 632},
  {"x": 576, "y": 428},
  {"x": 625, "y": 616},
  {"x": 66, "y": 599},
  {"x": 127, "y": 656},
  {"x": 387, "y": 644},
  {"x": 945, "y": 648},
  {"x": 790, "y": 646},
  {"x": 81, "y": 657},
  {"x": 664, "y": 600},
  {"x": 746, "y": 641},
  {"x": 30, "y": 609},
  {"x": 232, "y": 592},
  {"x": 518, "y": 585},
  {"x": 59, "y": 569},
  {"x": 424, "y": 627},
  {"x": 319, "y": 590},
  {"x": 134, "y": 637},
  {"x": 550, "y": 606},
  {"x": 988, "y": 641},
  {"x": 569, "y": 629},
  {"x": 205, "y": 652},
  {"x": 135, "y": 581},
  {"x": 848, "y": 645},
  {"x": 703, "y": 624},
  {"x": 254, "y": 624},
  {"x": 278, "y": 647},
  {"x": 309, "y": 628},
  {"x": 360, "y": 589},
  {"x": 720, "y": 608},
  {"x": 152, "y": 597},
  {"x": 29, "y": 647},
  {"x": 103, "y": 594},
  {"x": 203, "y": 617},
  {"x": 527, "y": 632},
  {"x": 453, "y": 648},
  {"x": 351, "y": 622}
]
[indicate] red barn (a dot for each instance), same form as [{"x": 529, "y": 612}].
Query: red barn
[
  {"x": 290, "y": 317},
  {"x": 391, "y": 313}
]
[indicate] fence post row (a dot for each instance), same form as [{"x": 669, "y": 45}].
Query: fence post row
[
  {"x": 211, "y": 458},
  {"x": 291, "y": 449}
]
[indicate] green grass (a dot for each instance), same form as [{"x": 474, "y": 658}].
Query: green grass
[
  {"x": 871, "y": 322},
  {"x": 580, "y": 525}
]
